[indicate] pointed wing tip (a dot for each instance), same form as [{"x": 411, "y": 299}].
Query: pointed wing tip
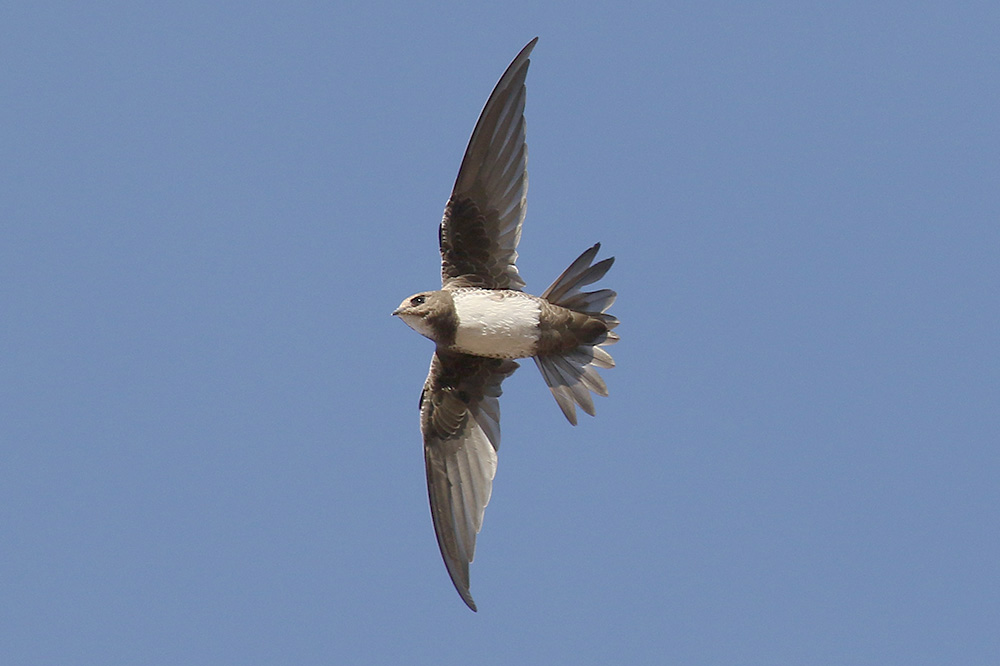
[
  {"x": 522, "y": 55},
  {"x": 459, "y": 575},
  {"x": 463, "y": 591},
  {"x": 462, "y": 588},
  {"x": 460, "y": 585}
]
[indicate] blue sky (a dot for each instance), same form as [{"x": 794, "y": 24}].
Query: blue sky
[{"x": 209, "y": 451}]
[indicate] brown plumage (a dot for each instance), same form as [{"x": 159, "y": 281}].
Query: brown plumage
[{"x": 480, "y": 309}]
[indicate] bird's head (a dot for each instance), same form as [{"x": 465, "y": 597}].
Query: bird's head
[{"x": 427, "y": 312}]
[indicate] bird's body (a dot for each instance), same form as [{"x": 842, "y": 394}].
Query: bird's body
[
  {"x": 498, "y": 323},
  {"x": 480, "y": 321}
]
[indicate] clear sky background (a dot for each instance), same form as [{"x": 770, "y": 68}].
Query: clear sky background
[{"x": 209, "y": 449}]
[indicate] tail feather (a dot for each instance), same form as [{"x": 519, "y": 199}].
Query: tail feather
[
  {"x": 560, "y": 392},
  {"x": 591, "y": 302},
  {"x": 573, "y": 379},
  {"x": 602, "y": 359},
  {"x": 579, "y": 274},
  {"x": 610, "y": 338},
  {"x": 572, "y": 375},
  {"x": 586, "y": 365},
  {"x": 569, "y": 275}
]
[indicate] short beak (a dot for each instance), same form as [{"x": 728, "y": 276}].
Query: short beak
[{"x": 395, "y": 312}]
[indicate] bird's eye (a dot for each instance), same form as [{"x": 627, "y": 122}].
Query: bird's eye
[{"x": 417, "y": 300}]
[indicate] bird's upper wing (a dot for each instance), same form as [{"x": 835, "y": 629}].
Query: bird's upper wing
[
  {"x": 482, "y": 221},
  {"x": 460, "y": 421}
]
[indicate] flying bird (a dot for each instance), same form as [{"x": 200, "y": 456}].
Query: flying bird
[{"x": 480, "y": 321}]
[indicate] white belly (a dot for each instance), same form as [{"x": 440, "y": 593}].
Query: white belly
[{"x": 500, "y": 324}]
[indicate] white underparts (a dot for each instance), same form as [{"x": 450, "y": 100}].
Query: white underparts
[{"x": 500, "y": 324}]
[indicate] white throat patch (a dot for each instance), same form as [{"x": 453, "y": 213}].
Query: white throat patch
[
  {"x": 499, "y": 324},
  {"x": 418, "y": 324}
]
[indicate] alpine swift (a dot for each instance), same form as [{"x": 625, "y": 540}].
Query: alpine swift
[{"x": 480, "y": 321}]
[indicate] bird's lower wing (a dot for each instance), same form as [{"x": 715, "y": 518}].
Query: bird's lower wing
[{"x": 460, "y": 421}]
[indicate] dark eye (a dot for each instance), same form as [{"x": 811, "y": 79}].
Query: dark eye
[{"x": 417, "y": 300}]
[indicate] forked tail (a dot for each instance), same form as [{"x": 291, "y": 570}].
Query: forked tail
[{"x": 583, "y": 329}]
